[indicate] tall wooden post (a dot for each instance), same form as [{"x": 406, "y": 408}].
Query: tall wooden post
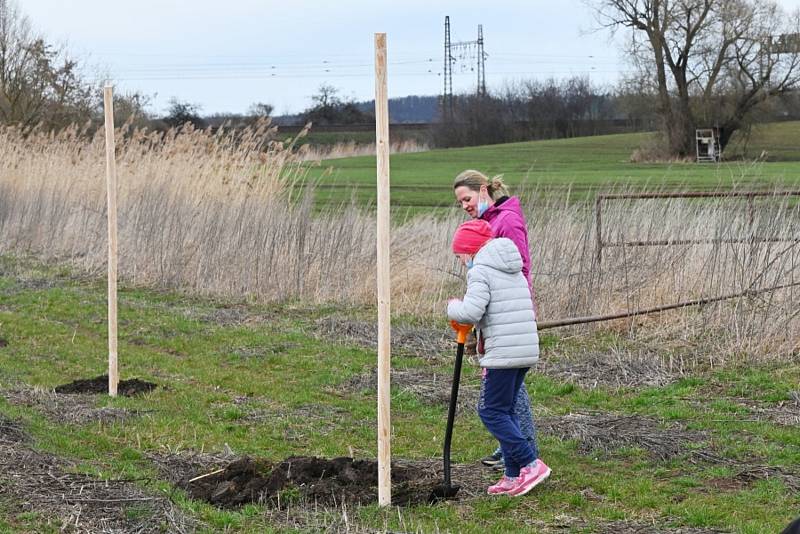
[
  {"x": 111, "y": 183},
  {"x": 384, "y": 281}
]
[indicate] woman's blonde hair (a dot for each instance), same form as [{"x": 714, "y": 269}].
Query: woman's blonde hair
[{"x": 475, "y": 179}]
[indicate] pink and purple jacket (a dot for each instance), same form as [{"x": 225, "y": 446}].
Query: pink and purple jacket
[{"x": 506, "y": 219}]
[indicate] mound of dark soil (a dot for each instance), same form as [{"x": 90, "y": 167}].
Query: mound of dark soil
[
  {"x": 99, "y": 385},
  {"x": 3, "y": 342},
  {"x": 308, "y": 479}
]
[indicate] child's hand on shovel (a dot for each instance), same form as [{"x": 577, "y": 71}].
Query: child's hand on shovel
[{"x": 461, "y": 331}]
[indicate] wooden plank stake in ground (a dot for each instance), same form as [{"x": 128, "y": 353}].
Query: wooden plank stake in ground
[
  {"x": 111, "y": 182},
  {"x": 384, "y": 289}
]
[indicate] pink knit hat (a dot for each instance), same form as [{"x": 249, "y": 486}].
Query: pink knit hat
[{"x": 471, "y": 236}]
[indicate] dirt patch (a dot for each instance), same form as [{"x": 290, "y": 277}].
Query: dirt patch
[
  {"x": 69, "y": 409},
  {"x": 11, "y": 431},
  {"x": 413, "y": 340},
  {"x": 177, "y": 467},
  {"x": 718, "y": 485},
  {"x": 3, "y": 342},
  {"x": 233, "y": 481},
  {"x": 327, "y": 482},
  {"x": 99, "y": 385},
  {"x": 607, "y": 432},
  {"x": 751, "y": 474},
  {"x": 572, "y": 524},
  {"x": 785, "y": 413},
  {"x": 429, "y": 387},
  {"x": 599, "y": 369},
  {"x": 44, "y": 484}
]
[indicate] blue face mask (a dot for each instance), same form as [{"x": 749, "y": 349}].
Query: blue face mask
[
  {"x": 483, "y": 205},
  {"x": 470, "y": 264}
]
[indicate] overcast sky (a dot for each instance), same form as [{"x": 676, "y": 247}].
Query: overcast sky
[{"x": 226, "y": 55}]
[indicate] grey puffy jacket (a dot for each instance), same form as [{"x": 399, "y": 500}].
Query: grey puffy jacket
[{"x": 498, "y": 302}]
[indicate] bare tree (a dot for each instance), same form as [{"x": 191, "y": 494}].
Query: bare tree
[
  {"x": 38, "y": 82},
  {"x": 260, "y": 110},
  {"x": 708, "y": 61},
  {"x": 180, "y": 112}
]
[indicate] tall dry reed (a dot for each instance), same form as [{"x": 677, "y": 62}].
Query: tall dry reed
[
  {"x": 226, "y": 214},
  {"x": 350, "y": 149}
]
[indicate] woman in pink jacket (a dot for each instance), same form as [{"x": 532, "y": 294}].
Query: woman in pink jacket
[{"x": 489, "y": 200}]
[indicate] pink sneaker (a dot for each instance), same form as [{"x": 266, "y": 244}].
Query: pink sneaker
[
  {"x": 529, "y": 478},
  {"x": 504, "y": 485}
]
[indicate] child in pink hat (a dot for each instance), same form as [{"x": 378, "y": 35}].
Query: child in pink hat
[{"x": 498, "y": 302}]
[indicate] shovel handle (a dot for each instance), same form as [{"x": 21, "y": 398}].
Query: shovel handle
[{"x": 451, "y": 414}]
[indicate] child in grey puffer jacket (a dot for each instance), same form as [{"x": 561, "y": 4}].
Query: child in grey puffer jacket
[{"x": 498, "y": 302}]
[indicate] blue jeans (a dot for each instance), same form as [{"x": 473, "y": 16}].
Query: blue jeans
[
  {"x": 522, "y": 409},
  {"x": 499, "y": 394}
]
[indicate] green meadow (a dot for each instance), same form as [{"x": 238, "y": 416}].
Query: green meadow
[{"x": 421, "y": 181}]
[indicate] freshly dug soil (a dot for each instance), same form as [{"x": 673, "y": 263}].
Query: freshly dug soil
[
  {"x": 308, "y": 479},
  {"x": 99, "y": 385},
  {"x": 3, "y": 342}
]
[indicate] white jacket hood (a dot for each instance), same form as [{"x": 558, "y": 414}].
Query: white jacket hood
[{"x": 501, "y": 254}]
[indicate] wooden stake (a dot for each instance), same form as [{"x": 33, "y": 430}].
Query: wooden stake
[
  {"x": 111, "y": 182},
  {"x": 384, "y": 281}
]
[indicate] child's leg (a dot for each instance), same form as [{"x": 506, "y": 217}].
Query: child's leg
[
  {"x": 496, "y": 412},
  {"x": 524, "y": 415}
]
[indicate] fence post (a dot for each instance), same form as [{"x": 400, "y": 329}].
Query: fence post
[
  {"x": 598, "y": 230},
  {"x": 111, "y": 183},
  {"x": 383, "y": 275}
]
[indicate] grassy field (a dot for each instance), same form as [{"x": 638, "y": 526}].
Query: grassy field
[
  {"x": 706, "y": 448},
  {"x": 423, "y": 180}
]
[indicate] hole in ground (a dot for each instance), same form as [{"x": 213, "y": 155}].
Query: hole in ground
[{"x": 99, "y": 385}]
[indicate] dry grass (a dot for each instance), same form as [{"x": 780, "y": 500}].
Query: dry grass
[
  {"x": 223, "y": 215},
  {"x": 48, "y": 486},
  {"x": 351, "y": 148}
]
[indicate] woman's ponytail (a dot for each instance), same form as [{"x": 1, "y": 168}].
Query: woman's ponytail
[{"x": 497, "y": 188}]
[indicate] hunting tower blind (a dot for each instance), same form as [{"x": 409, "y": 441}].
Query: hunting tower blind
[{"x": 707, "y": 145}]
